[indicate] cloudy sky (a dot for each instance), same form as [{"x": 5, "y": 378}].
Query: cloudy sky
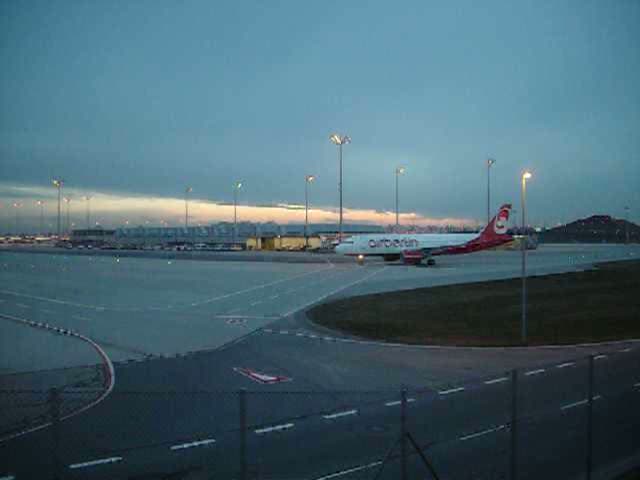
[{"x": 132, "y": 101}]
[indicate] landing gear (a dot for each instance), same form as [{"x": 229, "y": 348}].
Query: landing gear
[{"x": 431, "y": 262}]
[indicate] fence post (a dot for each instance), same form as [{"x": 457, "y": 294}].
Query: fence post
[
  {"x": 403, "y": 432},
  {"x": 589, "y": 458},
  {"x": 242, "y": 398},
  {"x": 514, "y": 425},
  {"x": 54, "y": 413}
]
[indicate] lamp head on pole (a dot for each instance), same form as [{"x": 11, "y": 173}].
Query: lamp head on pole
[
  {"x": 526, "y": 175},
  {"x": 237, "y": 185},
  {"x": 340, "y": 139},
  {"x": 400, "y": 170},
  {"x": 490, "y": 161},
  {"x": 40, "y": 203},
  {"x": 57, "y": 182},
  {"x": 188, "y": 190},
  {"x": 310, "y": 178}
]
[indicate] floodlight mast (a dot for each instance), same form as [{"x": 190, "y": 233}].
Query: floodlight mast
[
  {"x": 340, "y": 140},
  {"x": 307, "y": 180}
]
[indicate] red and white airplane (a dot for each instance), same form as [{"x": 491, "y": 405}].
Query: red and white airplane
[{"x": 413, "y": 249}]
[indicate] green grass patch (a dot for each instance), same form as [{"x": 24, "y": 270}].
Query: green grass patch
[{"x": 592, "y": 306}]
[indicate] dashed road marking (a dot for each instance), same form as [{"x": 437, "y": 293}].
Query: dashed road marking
[
  {"x": 483, "y": 432},
  {"x": 535, "y": 372},
  {"x": 273, "y": 297},
  {"x": 565, "y": 365},
  {"x": 93, "y": 463},
  {"x": 22, "y": 305},
  {"x": 579, "y": 403},
  {"x": 275, "y": 428},
  {"x": 625, "y": 350},
  {"x": 636, "y": 385},
  {"x": 496, "y": 380},
  {"x": 81, "y": 318},
  {"x": 451, "y": 390},
  {"x": 258, "y": 302},
  {"x": 398, "y": 402},
  {"x": 340, "y": 414},
  {"x": 600, "y": 357},
  {"x": 197, "y": 443},
  {"x": 349, "y": 471}
]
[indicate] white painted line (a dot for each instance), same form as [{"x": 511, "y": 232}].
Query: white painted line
[
  {"x": 636, "y": 385},
  {"x": 398, "y": 402},
  {"x": 284, "y": 332},
  {"x": 565, "y": 365},
  {"x": 274, "y": 297},
  {"x": 625, "y": 350},
  {"x": 197, "y": 443},
  {"x": 80, "y": 317},
  {"x": 94, "y": 463},
  {"x": 350, "y": 470},
  {"x": 275, "y": 428},
  {"x": 48, "y": 312},
  {"x": 599, "y": 357},
  {"x": 8, "y": 477},
  {"x": 340, "y": 414},
  {"x": 581, "y": 402},
  {"x": 535, "y": 372},
  {"x": 496, "y": 380},
  {"x": 452, "y": 390},
  {"x": 483, "y": 432},
  {"x": 22, "y": 305}
]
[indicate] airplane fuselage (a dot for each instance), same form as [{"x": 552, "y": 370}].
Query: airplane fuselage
[{"x": 392, "y": 245}]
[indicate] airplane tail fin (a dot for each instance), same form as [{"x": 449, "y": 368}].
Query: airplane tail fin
[{"x": 497, "y": 227}]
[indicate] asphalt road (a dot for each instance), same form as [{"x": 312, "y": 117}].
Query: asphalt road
[{"x": 178, "y": 330}]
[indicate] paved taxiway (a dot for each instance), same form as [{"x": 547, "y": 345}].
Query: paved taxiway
[{"x": 238, "y": 315}]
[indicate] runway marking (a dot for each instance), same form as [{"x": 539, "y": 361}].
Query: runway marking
[
  {"x": 275, "y": 428},
  {"x": 94, "y": 463},
  {"x": 337, "y": 290},
  {"x": 340, "y": 414},
  {"x": 249, "y": 317},
  {"x": 259, "y": 377},
  {"x": 496, "y": 380},
  {"x": 255, "y": 303},
  {"x": 451, "y": 390},
  {"x": 197, "y": 443},
  {"x": 535, "y": 372},
  {"x": 9, "y": 477},
  {"x": 350, "y": 470},
  {"x": 637, "y": 385},
  {"x": 80, "y": 317},
  {"x": 565, "y": 365},
  {"x": 600, "y": 357},
  {"x": 398, "y": 402},
  {"x": 625, "y": 350},
  {"x": 22, "y": 305},
  {"x": 483, "y": 432},
  {"x": 579, "y": 403},
  {"x": 274, "y": 297}
]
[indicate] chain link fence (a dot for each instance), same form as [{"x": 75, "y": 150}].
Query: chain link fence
[{"x": 575, "y": 419}]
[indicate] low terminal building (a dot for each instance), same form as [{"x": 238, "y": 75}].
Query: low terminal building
[{"x": 256, "y": 236}]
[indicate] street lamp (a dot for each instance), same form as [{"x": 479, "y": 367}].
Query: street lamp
[
  {"x": 399, "y": 171},
  {"x": 40, "y": 203},
  {"x": 187, "y": 191},
  {"x": 67, "y": 200},
  {"x": 87, "y": 198},
  {"x": 307, "y": 180},
  {"x": 236, "y": 187},
  {"x": 340, "y": 140},
  {"x": 490, "y": 162},
  {"x": 523, "y": 247},
  {"x": 58, "y": 183},
  {"x": 17, "y": 206}
]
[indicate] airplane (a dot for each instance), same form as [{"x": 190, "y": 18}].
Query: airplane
[{"x": 414, "y": 248}]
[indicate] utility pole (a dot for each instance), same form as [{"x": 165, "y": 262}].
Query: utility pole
[
  {"x": 490, "y": 162},
  {"x": 523, "y": 245}
]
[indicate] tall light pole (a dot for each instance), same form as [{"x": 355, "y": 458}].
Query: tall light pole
[
  {"x": 40, "y": 203},
  {"x": 67, "y": 200},
  {"x": 187, "y": 191},
  {"x": 490, "y": 162},
  {"x": 87, "y": 198},
  {"x": 307, "y": 180},
  {"x": 236, "y": 187},
  {"x": 626, "y": 224},
  {"x": 340, "y": 140},
  {"x": 17, "y": 206},
  {"x": 399, "y": 171},
  {"x": 58, "y": 183},
  {"x": 523, "y": 247}
]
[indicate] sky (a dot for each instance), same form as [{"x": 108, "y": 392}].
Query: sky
[{"x": 130, "y": 102}]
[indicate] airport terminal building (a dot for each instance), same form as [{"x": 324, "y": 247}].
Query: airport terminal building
[{"x": 269, "y": 236}]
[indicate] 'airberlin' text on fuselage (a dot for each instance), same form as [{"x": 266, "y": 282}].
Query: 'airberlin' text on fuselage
[{"x": 394, "y": 242}]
